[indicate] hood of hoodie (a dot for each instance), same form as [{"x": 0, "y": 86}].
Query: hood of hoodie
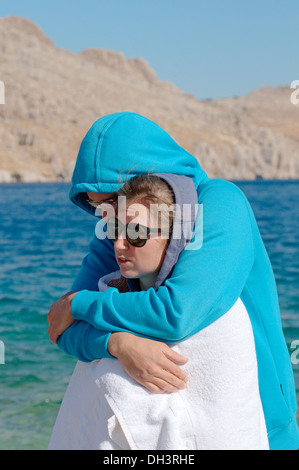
[{"x": 123, "y": 145}]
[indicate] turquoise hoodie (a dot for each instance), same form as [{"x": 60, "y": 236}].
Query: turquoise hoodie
[{"x": 204, "y": 284}]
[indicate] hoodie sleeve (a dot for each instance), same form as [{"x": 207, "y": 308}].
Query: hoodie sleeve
[
  {"x": 205, "y": 283},
  {"x": 84, "y": 342}
]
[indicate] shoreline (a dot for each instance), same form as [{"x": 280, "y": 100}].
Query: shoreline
[{"x": 257, "y": 180}]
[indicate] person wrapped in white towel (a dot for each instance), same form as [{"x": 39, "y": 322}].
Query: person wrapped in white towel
[{"x": 220, "y": 408}]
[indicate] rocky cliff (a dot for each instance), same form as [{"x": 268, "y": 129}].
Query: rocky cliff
[{"x": 53, "y": 96}]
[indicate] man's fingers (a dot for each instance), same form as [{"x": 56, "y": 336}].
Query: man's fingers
[
  {"x": 152, "y": 387},
  {"x": 52, "y": 336},
  {"x": 166, "y": 376},
  {"x": 171, "y": 378},
  {"x": 51, "y": 330},
  {"x": 177, "y": 373},
  {"x": 175, "y": 357},
  {"x": 60, "y": 316},
  {"x": 159, "y": 385},
  {"x": 53, "y": 339}
]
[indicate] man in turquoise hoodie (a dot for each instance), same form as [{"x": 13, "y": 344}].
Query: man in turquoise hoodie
[{"x": 232, "y": 263}]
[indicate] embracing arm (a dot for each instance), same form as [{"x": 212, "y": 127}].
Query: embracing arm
[
  {"x": 84, "y": 342},
  {"x": 150, "y": 363},
  {"x": 204, "y": 284}
]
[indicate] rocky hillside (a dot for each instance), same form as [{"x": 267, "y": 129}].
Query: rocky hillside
[{"x": 53, "y": 96}]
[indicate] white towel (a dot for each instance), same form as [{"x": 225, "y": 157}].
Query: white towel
[
  {"x": 220, "y": 409},
  {"x": 105, "y": 409}
]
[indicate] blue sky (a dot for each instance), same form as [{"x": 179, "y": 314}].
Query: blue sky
[{"x": 209, "y": 48}]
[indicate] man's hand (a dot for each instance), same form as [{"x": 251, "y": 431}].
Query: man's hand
[
  {"x": 60, "y": 316},
  {"x": 151, "y": 363}
]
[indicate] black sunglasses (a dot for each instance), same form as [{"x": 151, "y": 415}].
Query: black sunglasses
[{"x": 136, "y": 234}]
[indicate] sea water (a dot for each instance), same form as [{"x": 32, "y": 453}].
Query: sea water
[{"x": 43, "y": 239}]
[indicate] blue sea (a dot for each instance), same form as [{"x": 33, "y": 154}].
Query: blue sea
[{"x": 43, "y": 239}]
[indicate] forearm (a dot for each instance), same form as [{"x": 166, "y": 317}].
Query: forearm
[{"x": 110, "y": 313}]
